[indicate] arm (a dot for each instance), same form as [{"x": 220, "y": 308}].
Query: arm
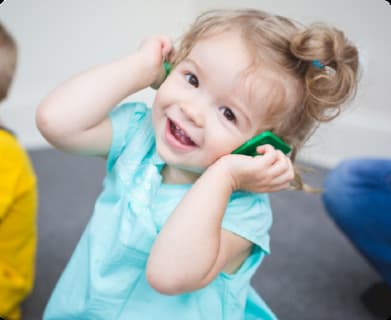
[
  {"x": 192, "y": 249},
  {"x": 74, "y": 117}
]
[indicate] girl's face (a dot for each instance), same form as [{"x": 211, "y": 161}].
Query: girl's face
[{"x": 205, "y": 109}]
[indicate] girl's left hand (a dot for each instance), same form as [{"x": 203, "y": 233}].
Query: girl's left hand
[{"x": 269, "y": 172}]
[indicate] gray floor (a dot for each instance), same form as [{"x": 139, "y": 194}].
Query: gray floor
[{"x": 312, "y": 273}]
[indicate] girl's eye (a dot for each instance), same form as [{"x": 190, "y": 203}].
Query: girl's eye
[
  {"x": 228, "y": 114},
  {"x": 192, "y": 79}
]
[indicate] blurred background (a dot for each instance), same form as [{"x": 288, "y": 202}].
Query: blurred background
[
  {"x": 60, "y": 38},
  {"x": 313, "y": 272}
]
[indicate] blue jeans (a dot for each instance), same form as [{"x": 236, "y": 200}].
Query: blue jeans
[{"x": 358, "y": 197}]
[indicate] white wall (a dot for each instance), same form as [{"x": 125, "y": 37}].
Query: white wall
[
  {"x": 57, "y": 39},
  {"x": 60, "y": 38}
]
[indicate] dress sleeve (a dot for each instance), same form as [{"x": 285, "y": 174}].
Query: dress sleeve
[
  {"x": 125, "y": 119},
  {"x": 249, "y": 216}
]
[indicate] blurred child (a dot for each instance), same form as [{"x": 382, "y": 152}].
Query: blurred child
[
  {"x": 18, "y": 202},
  {"x": 182, "y": 224}
]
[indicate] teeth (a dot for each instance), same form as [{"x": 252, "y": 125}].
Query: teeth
[{"x": 180, "y": 134}]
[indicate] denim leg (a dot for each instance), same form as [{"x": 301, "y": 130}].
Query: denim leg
[{"x": 358, "y": 197}]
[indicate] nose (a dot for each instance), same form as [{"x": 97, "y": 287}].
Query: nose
[{"x": 193, "y": 113}]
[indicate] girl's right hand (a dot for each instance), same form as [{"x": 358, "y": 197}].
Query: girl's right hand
[{"x": 153, "y": 50}]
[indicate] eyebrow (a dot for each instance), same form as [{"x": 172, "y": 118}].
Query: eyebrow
[{"x": 195, "y": 65}]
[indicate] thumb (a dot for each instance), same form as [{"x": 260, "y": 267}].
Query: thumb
[
  {"x": 166, "y": 46},
  {"x": 265, "y": 148}
]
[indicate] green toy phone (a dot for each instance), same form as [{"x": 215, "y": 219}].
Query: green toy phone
[
  {"x": 167, "y": 68},
  {"x": 266, "y": 137}
]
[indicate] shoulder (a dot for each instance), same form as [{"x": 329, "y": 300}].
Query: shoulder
[
  {"x": 243, "y": 201},
  {"x": 134, "y": 110},
  {"x": 132, "y": 131},
  {"x": 126, "y": 120}
]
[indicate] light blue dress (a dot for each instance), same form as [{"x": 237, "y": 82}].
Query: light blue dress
[{"x": 105, "y": 278}]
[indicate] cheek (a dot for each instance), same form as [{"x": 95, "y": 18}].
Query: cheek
[
  {"x": 155, "y": 108},
  {"x": 159, "y": 105},
  {"x": 156, "y": 105},
  {"x": 154, "y": 118},
  {"x": 168, "y": 88},
  {"x": 162, "y": 94},
  {"x": 158, "y": 116},
  {"x": 222, "y": 145}
]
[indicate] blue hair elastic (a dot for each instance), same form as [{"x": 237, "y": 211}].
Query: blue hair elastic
[{"x": 317, "y": 64}]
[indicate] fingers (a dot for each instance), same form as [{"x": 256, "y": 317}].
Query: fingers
[
  {"x": 265, "y": 148},
  {"x": 282, "y": 166},
  {"x": 277, "y": 169},
  {"x": 268, "y": 155},
  {"x": 166, "y": 46},
  {"x": 157, "y": 48}
]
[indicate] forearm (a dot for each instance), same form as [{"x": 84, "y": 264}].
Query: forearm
[
  {"x": 85, "y": 100},
  {"x": 187, "y": 247}
]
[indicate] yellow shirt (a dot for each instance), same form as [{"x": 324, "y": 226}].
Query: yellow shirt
[{"x": 18, "y": 207}]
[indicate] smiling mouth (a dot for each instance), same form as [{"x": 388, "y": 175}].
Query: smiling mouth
[{"x": 180, "y": 135}]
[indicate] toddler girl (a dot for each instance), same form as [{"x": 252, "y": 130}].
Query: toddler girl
[{"x": 181, "y": 224}]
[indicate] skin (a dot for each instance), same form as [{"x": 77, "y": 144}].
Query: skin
[{"x": 74, "y": 118}]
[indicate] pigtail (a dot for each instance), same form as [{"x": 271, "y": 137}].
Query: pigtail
[{"x": 329, "y": 65}]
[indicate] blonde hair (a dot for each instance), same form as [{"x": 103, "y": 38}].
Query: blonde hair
[
  {"x": 8, "y": 58},
  {"x": 289, "y": 48}
]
